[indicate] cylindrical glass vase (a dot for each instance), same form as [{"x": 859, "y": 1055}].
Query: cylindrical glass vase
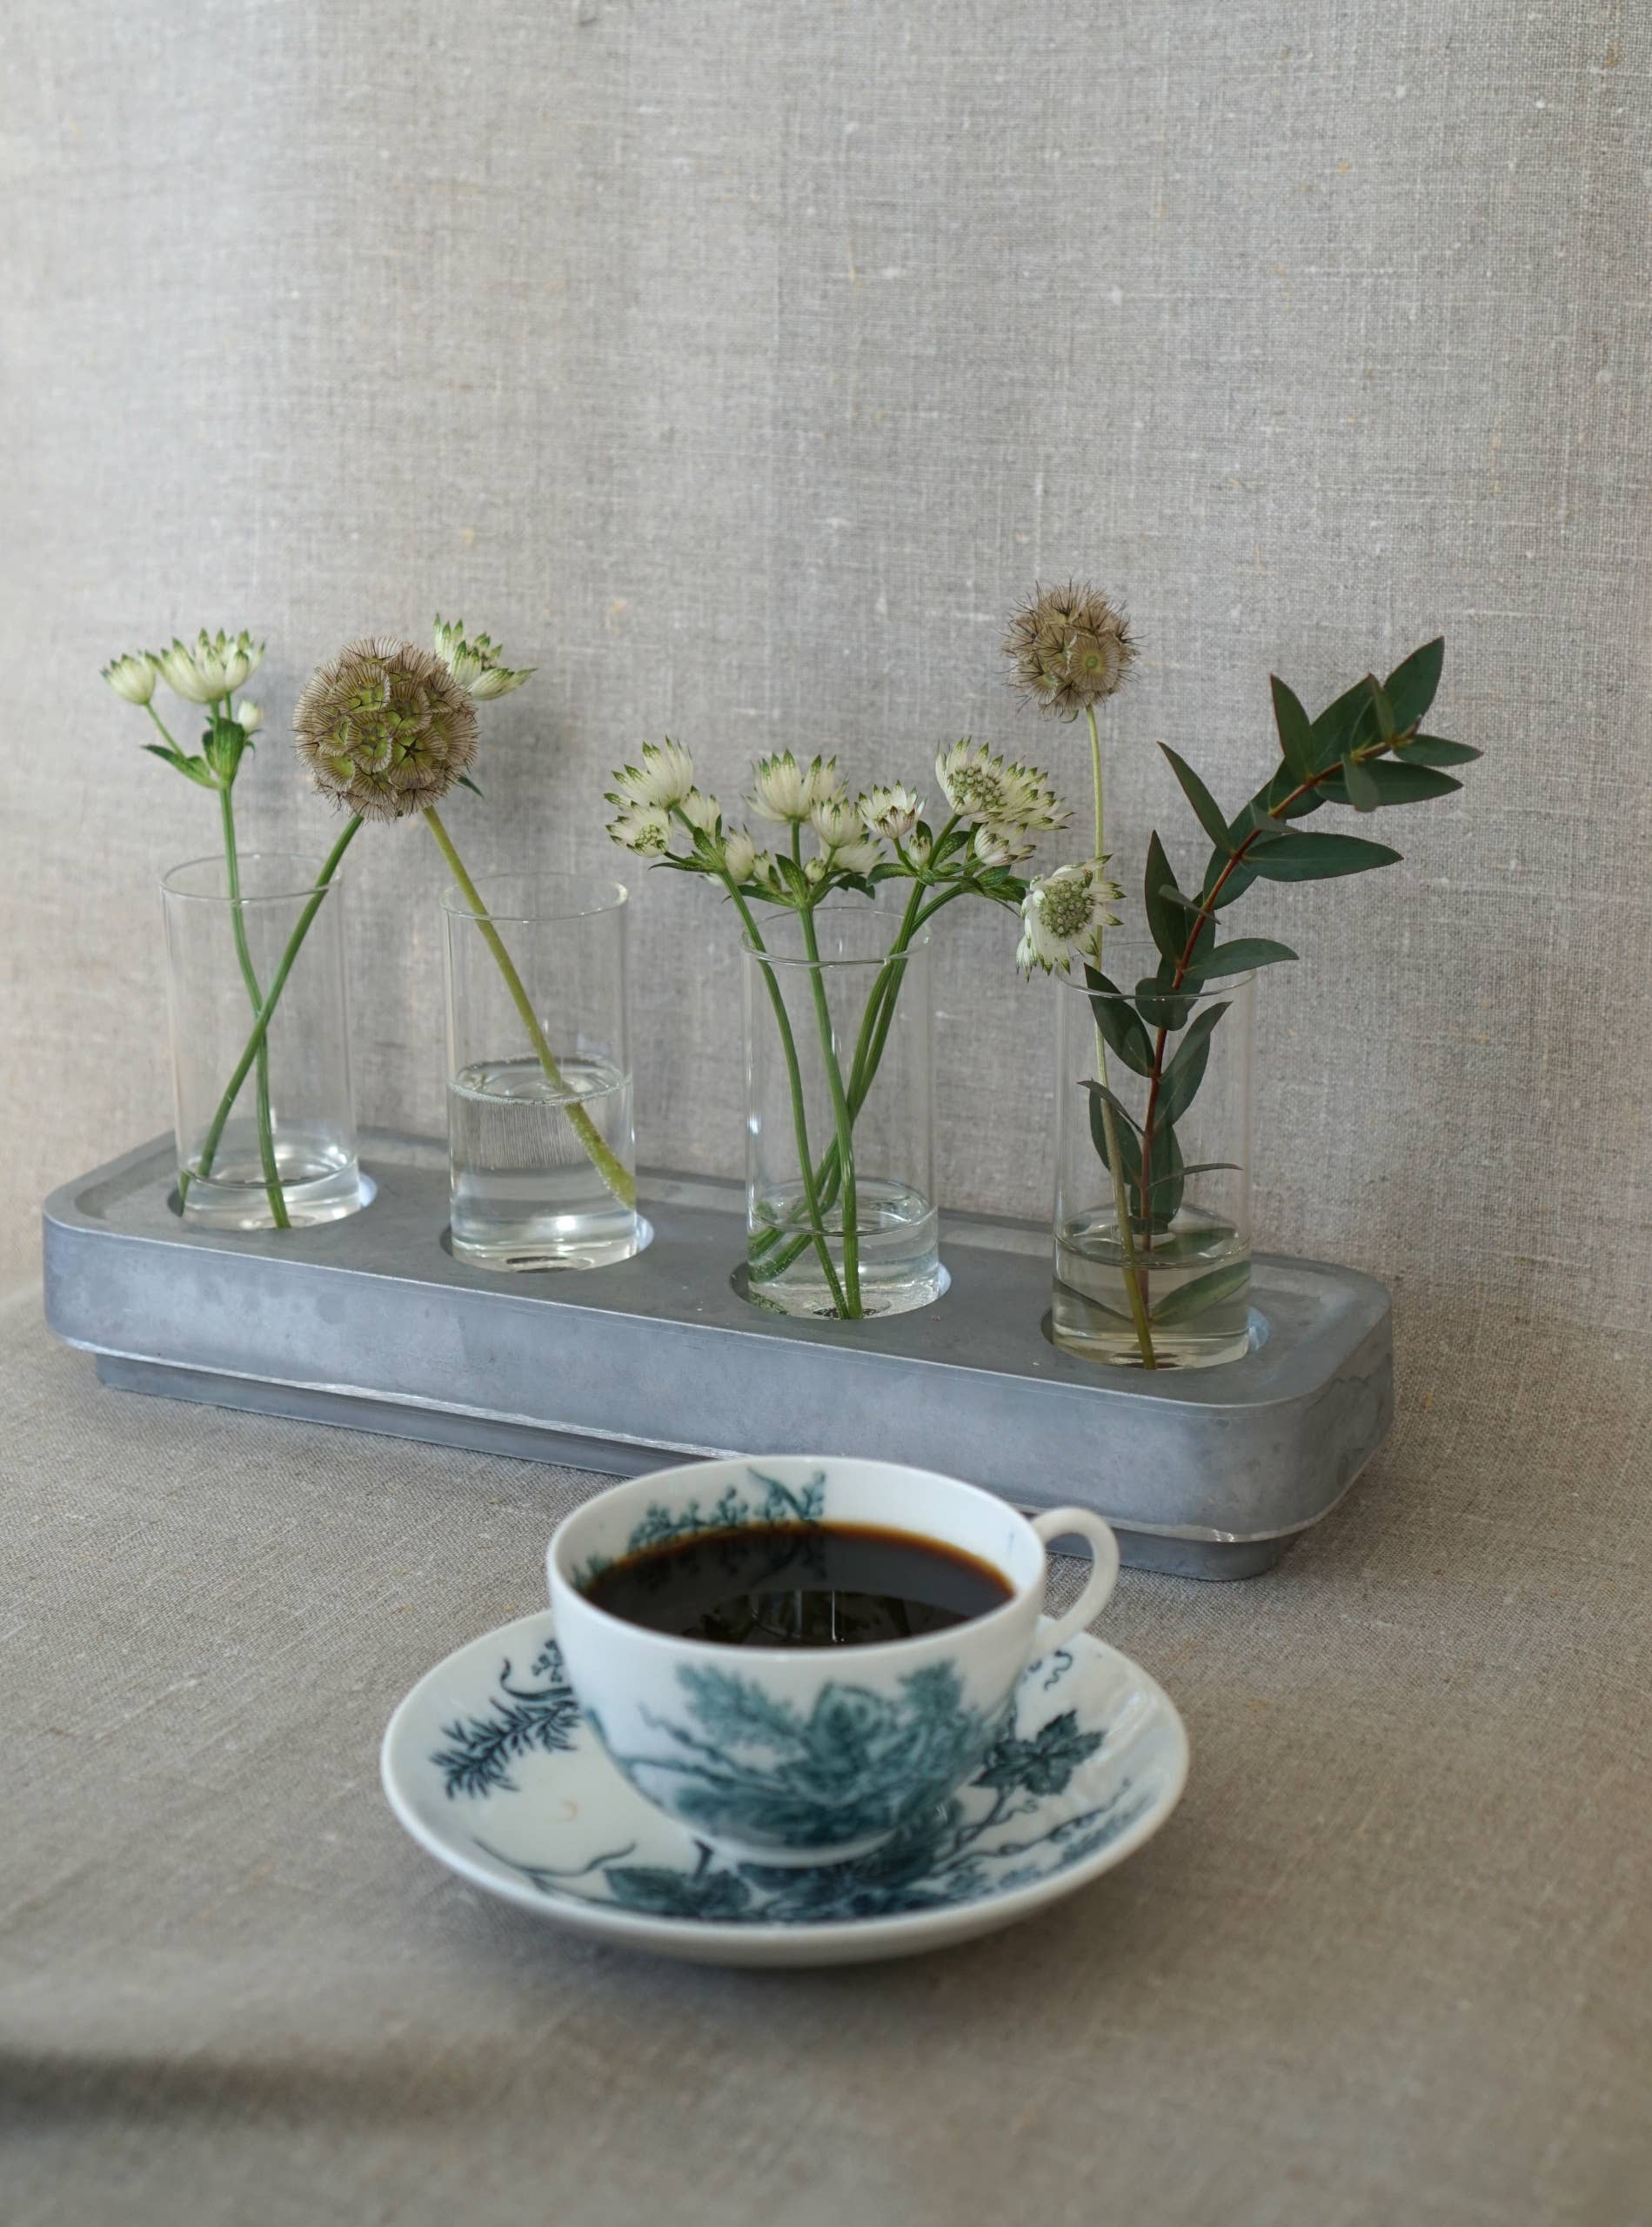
[
  {"x": 283, "y": 1149},
  {"x": 540, "y": 1144},
  {"x": 840, "y": 1186},
  {"x": 1167, "y": 1082}
]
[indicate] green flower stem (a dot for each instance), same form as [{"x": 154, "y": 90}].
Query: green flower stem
[
  {"x": 272, "y": 998},
  {"x": 840, "y": 1115},
  {"x": 619, "y": 1179},
  {"x": 869, "y": 1050},
  {"x": 1134, "y": 1282},
  {"x": 799, "y": 1120},
  {"x": 266, "y": 1134},
  {"x": 165, "y": 732}
]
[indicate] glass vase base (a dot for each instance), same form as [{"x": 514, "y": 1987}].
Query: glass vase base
[
  {"x": 1195, "y": 1287},
  {"x": 318, "y": 1185},
  {"x": 522, "y": 1247},
  {"x": 897, "y": 1265}
]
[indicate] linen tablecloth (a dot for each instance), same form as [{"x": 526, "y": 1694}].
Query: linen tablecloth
[{"x": 1387, "y": 1962}]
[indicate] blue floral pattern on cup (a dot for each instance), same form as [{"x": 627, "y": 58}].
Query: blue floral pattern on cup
[{"x": 1012, "y": 1824}]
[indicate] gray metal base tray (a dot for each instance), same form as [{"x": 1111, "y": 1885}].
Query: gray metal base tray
[{"x": 371, "y": 1324}]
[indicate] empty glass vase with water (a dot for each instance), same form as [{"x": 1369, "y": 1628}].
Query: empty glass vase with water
[{"x": 541, "y": 1151}]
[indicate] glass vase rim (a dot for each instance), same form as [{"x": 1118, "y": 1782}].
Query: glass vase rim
[
  {"x": 458, "y": 906},
  {"x": 1224, "y": 985},
  {"x": 918, "y": 942},
  {"x": 302, "y": 885}
]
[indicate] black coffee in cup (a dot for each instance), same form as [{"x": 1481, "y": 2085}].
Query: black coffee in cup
[{"x": 799, "y": 1585}]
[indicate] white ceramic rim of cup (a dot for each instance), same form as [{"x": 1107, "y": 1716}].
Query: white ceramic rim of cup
[{"x": 716, "y": 1651}]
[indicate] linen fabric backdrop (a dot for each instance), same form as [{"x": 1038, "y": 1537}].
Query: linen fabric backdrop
[{"x": 740, "y": 365}]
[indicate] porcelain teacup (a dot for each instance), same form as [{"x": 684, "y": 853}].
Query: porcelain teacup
[{"x": 807, "y": 1755}]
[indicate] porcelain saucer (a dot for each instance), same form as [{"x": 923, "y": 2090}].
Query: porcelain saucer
[{"x": 489, "y": 1765}]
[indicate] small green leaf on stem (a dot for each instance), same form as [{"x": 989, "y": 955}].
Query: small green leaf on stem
[
  {"x": 1168, "y": 932},
  {"x": 1410, "y": 687},
  {"x": 1393, "y": 780},
  {"x": 1202, "y": 1293},
  {"x": 1435, "y": 749},
  {"x": 1295, "y": 730},
  {"x": 1210, "y": 816},
  {"x": 1240, "y": 956},
  {"x": 1129, "y": 1145},
  {"x": 1186, "y": 1070},
  {"x": 1318, "y": 858},
  {"x": 1121, "y": 1024},
  {"x": 1359, "y": 785}
]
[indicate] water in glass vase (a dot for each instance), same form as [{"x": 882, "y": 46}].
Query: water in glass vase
[
  {"x": 526, "y": 1191},
  {"x": 898, "y": 1246},
  {"x": 320, "y": 1179},
  {"x": 1196, "y": 1284}
]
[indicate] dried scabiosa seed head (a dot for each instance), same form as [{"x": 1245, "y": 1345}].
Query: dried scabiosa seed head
[
  {"x": 1070, "y": 648},
  {"x": 385, "y": 729}
]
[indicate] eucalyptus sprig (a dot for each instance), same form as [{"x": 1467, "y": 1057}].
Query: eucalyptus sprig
[
  {"x": 207, "y": 671},
  {"x": 1366, "y": 751},
  {"x": 832, "y": 844}
]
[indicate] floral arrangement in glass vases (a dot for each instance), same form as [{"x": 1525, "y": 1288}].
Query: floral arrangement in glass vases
[
  {"x": 1152, "y": 1222},
  {"x": 840, "y": 1214}
]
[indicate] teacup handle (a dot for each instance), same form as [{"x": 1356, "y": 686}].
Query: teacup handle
[{"x": 1104, "y": 1573}]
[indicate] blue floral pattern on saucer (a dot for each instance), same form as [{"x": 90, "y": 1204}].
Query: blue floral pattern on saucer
[{"x": 500, "y": 1776}]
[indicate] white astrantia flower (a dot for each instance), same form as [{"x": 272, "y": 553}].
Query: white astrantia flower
[
  {"x": 211, "y": 667},
  {"x": 893, "y": 812},
  {"x": 916, "y": 848},
  {"x": 645, "y": 828},
  {"x": 857, "y": 858},
  {"x": 1062, "y": 914},
  {"x": 701, "y": 811},
  {"x": 766, "y": 873},
  {"x": 786, "y": 792},
  {"x": 740, "y": 855},
  {"x": 1000, "y": 847},
  {"x": 133, "y": 677},
  {"x": 479, "y": 667},
  {"x": 837, "y": 823},
  {"x": 814, "y": 872},
  {"x": 981, "y": 786},
  {"x": 665, "y": 778},
  {"x": 250, "y": 714}
]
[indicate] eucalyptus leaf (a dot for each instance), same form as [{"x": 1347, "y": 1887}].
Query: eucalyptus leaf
[
  {"x": 1318, "y": 858},
  {"x": 1211, "y": 817},
  {"x": 1200, "y": 1167},
  {"x": 1296, "y": 729},
  {"x": 1119, "y": 1021},
  {"x": 1204, "y": 1292},
  {"x": 1187, "y": 1071},
  {"x": 1159, "y": 1195},
  {"x": 1435, "y": 749},
  {"x": 1410, "y": 687},
  {"x": 1159, "y": 1006},
  {"x": 1241, "y": 956},
  {"x": 1129, "y": 1146},
  {"x": 1394, "y": 781},
  {"x": 1359, "y": 785},
  {"x": 1168, "y": 931},
  {"x": 1344, "y": 725}
]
